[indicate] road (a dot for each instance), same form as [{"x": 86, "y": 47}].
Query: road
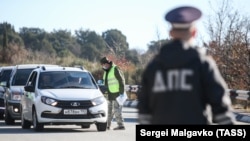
[
  {"x": 71, "y": 133},
  {"x": 74, "y": 133}
]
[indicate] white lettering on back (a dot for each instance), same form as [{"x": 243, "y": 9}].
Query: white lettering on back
[
  {"x": 176, "y": 80},
  {"x": 159, "y": 85}
]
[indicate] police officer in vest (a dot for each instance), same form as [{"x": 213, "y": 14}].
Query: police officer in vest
[
  {"x": 115, "y": 83},
  {"x": 182, "y": 81}
]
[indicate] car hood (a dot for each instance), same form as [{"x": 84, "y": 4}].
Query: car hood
[
  {"x": 72, "y": 94},
  {"x": 17, "y": 89}
]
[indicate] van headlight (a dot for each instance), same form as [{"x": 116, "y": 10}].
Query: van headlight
[
  {"x": 98, "y": 100},
  {"x": 48, "y": 101}
]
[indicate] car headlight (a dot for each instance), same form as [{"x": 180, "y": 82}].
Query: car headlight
[
  {"x": 98, "y": 100},
  {"x": 16, "y": 95},
  {"x": 48, "y": 101}
]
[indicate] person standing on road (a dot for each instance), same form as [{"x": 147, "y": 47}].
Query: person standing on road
[
  {"x": 114, "y": 81},
  {"x": 182, "y": 80}
]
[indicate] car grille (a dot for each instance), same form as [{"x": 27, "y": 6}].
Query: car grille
[
  {"x": 68, "y": 105},
  {"x": 79, "y": 104}
]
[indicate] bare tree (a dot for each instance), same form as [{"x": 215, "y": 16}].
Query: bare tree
[{"x": 229, "y": 44}]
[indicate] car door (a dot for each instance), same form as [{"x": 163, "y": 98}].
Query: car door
[{"x": 29, "y": 96}]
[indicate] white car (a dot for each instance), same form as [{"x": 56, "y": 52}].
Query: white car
[
  {"x": 71, "y": 96},
  {"x": 14, "y": 90}
]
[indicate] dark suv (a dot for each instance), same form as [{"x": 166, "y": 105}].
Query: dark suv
[
  {"x": 14, "y": 91},
  {"x": 5, "y": 72}
]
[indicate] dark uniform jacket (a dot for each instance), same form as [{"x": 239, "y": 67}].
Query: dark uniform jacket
[{"x": 178, "y": 85}]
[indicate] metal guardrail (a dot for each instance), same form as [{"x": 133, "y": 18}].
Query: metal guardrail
[
  {"x": 234, "y": 94},
  {"x": 132, "y": 88},
  {"x": 240, "y": 95},
  {"x": 237, "y": 94}
]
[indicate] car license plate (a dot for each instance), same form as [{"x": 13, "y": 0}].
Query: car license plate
[{"x": 75, "y": 111}]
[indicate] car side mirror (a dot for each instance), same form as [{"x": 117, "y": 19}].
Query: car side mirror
[
  {"x": 103, "y": 88},
  {"x": 100, "y": 82},
  {"x": 29, "y": 88}
]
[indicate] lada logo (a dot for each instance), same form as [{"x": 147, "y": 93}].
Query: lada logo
[{"x": 75, "y": 104}]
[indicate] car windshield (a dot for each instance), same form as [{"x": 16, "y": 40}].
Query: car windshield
[
  {"x": 5, "y": 75},
  {"x": 21, "y": 76},
  {"x": 66, "y": 79}
]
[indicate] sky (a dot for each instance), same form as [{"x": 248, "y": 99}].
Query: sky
[{"x": 141, "y": 21}]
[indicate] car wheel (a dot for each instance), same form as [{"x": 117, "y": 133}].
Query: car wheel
[
  {"x": 8, "y": 119},
  {"x": 101, "y": 126},
  {"x": 36, "y": 125},
  {"x": 84, "y": 126},
  {"x": 24, "y": 123}
]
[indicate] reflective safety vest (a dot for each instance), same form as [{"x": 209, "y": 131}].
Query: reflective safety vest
[{"x": 113, "y": 84}]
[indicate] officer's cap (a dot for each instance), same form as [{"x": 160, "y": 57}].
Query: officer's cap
[{"x": 183, "y": 17}]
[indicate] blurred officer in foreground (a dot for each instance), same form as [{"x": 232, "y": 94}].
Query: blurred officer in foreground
[
  {"x": 181, "y": 81},
  {"x": 114, "y": 80}
]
